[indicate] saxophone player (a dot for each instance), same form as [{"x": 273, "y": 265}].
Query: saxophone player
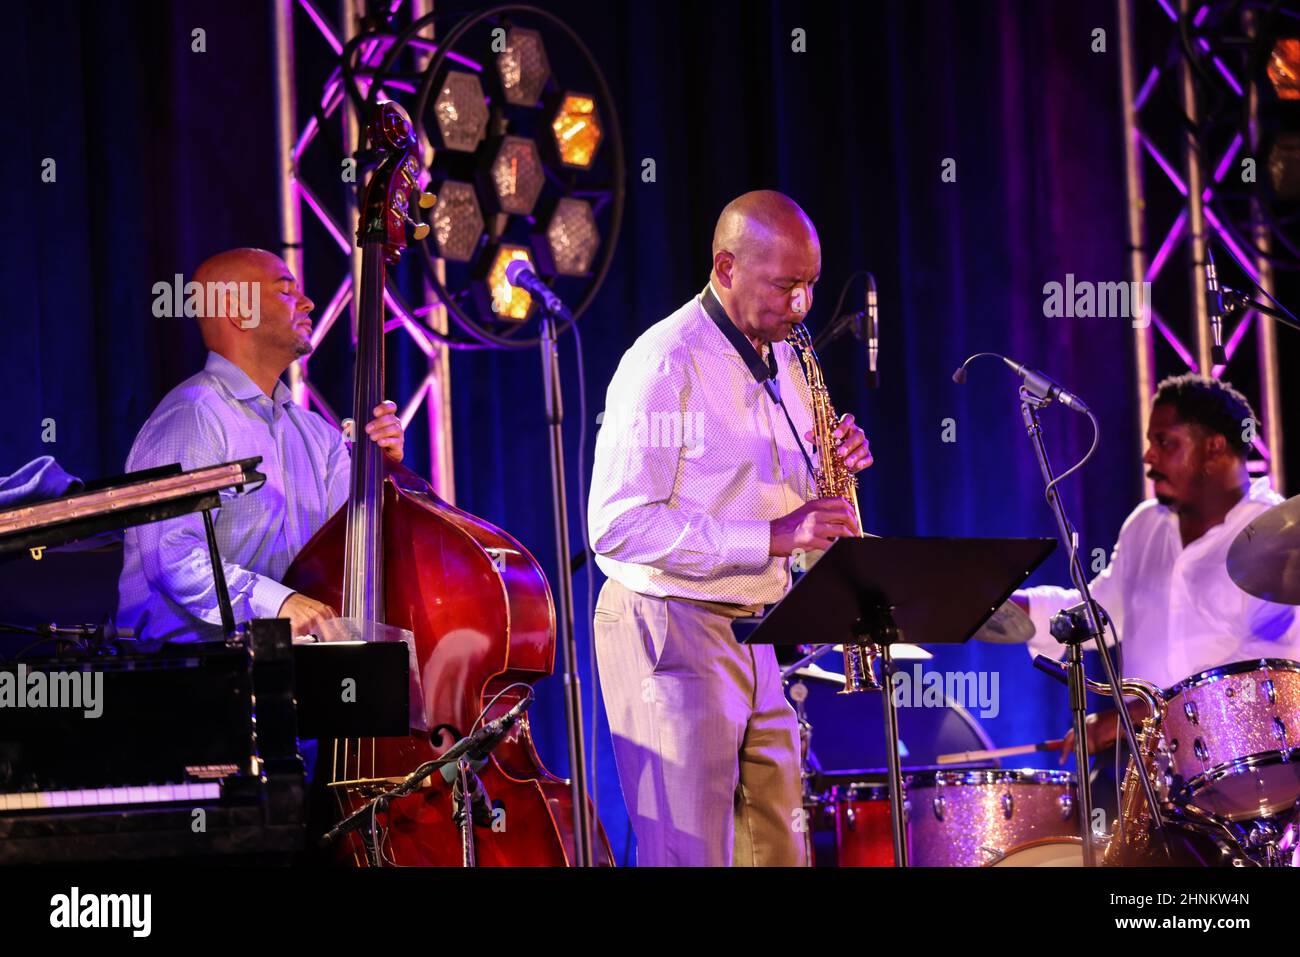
[{"x": 702, "y": 490}]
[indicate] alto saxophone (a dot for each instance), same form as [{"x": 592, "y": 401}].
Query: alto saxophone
[{"x": 834, "y": 480}]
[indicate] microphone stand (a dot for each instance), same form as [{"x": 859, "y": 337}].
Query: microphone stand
[
  {"x": 1030, "y": 403},
  {"x": 572, "y": 689},
  {"x": 465, "y": 777},
  {"x": 835, "y": 328}
]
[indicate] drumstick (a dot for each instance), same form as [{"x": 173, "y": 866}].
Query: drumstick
[{"x": 963, "y": 757}]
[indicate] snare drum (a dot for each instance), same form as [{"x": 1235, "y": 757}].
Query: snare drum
[
  {"x": 972, "y": 818},
  {"x": 864, "y": 833},
  {"x": 1232, "y": 735}
]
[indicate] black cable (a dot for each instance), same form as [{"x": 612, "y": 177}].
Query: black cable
[
  {"x": 1096, "y": 436},
  {"x": 1258, "y": 286},
  {"x": 1276, "y": 261}
]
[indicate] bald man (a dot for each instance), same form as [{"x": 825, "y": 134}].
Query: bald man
[
  {"x": 236, "y": 408},
  {"x": 702, "y": 491}
]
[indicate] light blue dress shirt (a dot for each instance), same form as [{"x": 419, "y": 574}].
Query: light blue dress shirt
[{"x": 166, "y": 590}]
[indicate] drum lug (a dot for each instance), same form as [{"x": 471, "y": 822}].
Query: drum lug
[
  {"x": 991, "y": 853},
  {"x": 850, "y": 817},
  {"x": 1067, "y": 806},
  {"x": 1270, "y": 690},
  {"x": 1008, "y": 805},
  {"x": 1200, "y": 750},
  {"x": 1279, "y": 729},
  {"x": 938, "y": 806},
  {"x": 1189, "y": 709}
]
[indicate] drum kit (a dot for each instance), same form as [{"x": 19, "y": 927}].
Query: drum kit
[{"x": 1222, "y": 748}]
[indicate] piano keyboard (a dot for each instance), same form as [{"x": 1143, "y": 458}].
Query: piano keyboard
[{"x": 107, "y": 797}]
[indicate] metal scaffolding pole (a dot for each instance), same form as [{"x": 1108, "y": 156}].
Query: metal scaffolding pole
[
  {"x": 292, "y": 140},
  {"x": 1270, "y": 400},
  {"x": 1197, "y": 223},
  {"x": 286, "y": 102},
  {"x": 1195, "y": 206},
  {"x": 1143, "y": 345}
]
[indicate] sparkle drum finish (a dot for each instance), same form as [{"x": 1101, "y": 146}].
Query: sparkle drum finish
[
  {"x": 863, "y": 835},
  {"x": 973, "y": 818},
  {"x": 1232, "y": 734}
]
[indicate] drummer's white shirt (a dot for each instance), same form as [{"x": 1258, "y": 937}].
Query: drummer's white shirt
[{"x": 1175, "y": 609}]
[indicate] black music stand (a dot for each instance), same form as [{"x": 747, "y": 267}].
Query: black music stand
[
  {"x": 888, "y": 590},
  {"x": 38, "y": 533}
]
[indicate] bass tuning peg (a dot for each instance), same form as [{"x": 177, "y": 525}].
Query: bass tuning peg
[{"x": 418, "y": 230}]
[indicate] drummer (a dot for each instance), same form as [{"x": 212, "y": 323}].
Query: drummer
[{"x": 1166, "y": 588}]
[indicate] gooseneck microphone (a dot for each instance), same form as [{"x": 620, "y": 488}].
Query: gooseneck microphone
[
  {"x": 1044, "y": 387},
  {"x": 521, "y": 277},
  {"x": 1214, "y": 306}
]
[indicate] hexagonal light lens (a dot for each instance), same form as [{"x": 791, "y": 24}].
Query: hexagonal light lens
[
  {"x": 572, "y": 237},
  {"x": 577, "y": 130},
  {"x": 457, "y": 221},
  {"x": 509, "y": 302},
  {"x": 461, "y": 112},
  {"x": 523, "y": 67},
  {"x": 517, "y": 175}
]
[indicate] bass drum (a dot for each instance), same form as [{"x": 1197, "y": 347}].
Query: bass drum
[
  {"x": 848, "y": 731},
  {"x": 1044, "y": 852}
]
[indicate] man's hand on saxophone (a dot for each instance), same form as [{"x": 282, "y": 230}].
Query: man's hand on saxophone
[
  {"x": 853, "y": 449},
  {"x": 813, "y": 526}
]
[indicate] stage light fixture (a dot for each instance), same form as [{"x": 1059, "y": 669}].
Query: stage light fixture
[
  {"x": 1284, "y": 68},
  {"x": 457, "y": 221},
  {"x": 509, "y": 302},
  {"x": 461, "y": 112},
  {"x": 577, "y": 130},
  {"x": 517, "y": 175},
  {"x": 572, "y": 238},
  {"x": 523, "y": 67}
]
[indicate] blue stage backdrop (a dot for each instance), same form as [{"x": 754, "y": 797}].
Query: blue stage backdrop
[{"x": 165, "y": 156}]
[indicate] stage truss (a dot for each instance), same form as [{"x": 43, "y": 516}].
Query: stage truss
[{"x": 1202, "y": 168}]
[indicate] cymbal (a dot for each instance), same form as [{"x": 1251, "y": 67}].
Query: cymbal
[
  {"x": 1264, "y": 559},
  {"x": 813, "y": 672},
  {"x": 901, "y": 652},
  {"x": 1008, "y": 626}
]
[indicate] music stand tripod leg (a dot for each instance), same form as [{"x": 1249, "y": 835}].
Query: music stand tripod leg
[
  {"x": 897, "y": 814},
  {"x": 878, "y": 626},
  {"x": 219, "y": 576}
]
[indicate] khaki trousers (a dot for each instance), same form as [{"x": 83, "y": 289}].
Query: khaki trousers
[{"x": 706, "y": 744}]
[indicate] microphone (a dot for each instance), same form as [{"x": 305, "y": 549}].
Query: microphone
[
  {"x": 476, "y": 747},
  {"x": 873, "y": 334},
  {"x": 521, "y": 277},
  {"x": 1214, "y": 306},
  {"x": 1040, "y": 385}
]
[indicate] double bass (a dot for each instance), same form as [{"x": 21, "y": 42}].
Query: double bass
[{"x": 473, "y": 597}]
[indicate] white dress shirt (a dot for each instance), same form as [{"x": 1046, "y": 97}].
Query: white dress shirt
[
  {"x": 219, "y": 415},
  {"x": 693, "y": 460},
  {"x": 1175, "y": 609}
]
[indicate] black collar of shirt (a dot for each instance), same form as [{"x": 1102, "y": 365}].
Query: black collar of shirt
[{"x": 764, "y": 372}]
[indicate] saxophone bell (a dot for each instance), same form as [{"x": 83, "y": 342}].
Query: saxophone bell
[{"x": 860, "y": 668}]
